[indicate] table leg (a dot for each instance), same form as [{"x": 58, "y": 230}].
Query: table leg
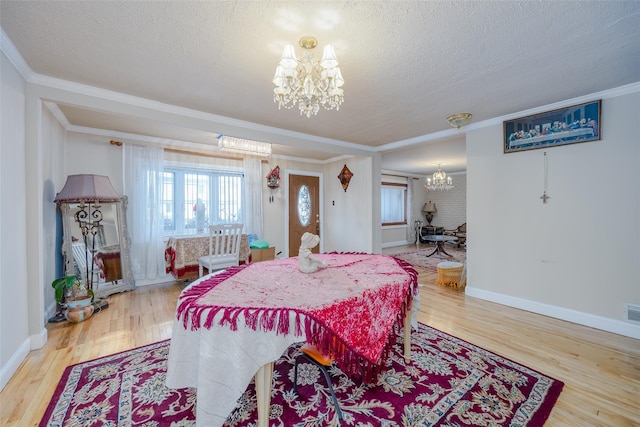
[
  {"x": 263, "y": 393},
  {"x": 435, "y": 250},
  {"x": 407, "y": 337},
  {"x": 441, "y": 247}
]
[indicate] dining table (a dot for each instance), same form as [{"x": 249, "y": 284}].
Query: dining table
[{"x": 230, "y": 326}]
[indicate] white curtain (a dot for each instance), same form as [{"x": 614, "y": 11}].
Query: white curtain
[
  {"x": 411, "y": 229},
  {"x": 143, "y": 169},
  {"x": 253, "y": 214}
]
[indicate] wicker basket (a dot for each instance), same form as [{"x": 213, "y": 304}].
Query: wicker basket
[{"x": 449, "y": 273}]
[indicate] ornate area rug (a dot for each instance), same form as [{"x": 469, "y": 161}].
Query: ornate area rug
[
  {"x": 419, "y": 259},
  {"x": 448, "y": 383}
]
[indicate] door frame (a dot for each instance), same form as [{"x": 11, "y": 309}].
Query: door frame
[{"x": 287, "y": 201}]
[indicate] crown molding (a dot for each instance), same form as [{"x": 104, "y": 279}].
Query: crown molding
[
  {"x": 11, "y": 52},
  {"x": 401, "y": 174},
  {"x": 141, "y": 138},
  {"x": 170, "y": 143},
  {"x": 58, "y": 114}
]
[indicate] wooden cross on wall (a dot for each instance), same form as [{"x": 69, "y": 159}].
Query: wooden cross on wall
[{"x": 544, "y": 197}]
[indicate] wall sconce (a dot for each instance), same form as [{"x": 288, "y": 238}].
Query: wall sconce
[{"x": 345, "y": 177}]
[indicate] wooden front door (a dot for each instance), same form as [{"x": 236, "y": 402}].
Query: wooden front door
[{"x": 304, "y": 210}]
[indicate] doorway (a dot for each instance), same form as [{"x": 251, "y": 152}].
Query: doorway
[{"x": 303, "y": 211}]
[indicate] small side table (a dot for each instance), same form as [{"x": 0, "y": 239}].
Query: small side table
[{"x": 449, "y": 273}]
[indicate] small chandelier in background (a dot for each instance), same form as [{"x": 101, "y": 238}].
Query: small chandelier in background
[
  {"x": 457, "y": 120},
  {"x": 308, "y": 83},
  {"x": 439, "y": 181}
]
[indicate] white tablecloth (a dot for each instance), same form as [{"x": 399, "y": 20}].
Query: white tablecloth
[{"x": 220, "y": 363}]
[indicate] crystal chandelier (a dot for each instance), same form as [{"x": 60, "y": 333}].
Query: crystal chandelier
[
  {"x": 439, "y": 181},
  {"x": 306, "y": 82}
]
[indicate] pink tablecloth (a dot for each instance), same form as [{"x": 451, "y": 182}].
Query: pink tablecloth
[{"x": 231, "y": 323}]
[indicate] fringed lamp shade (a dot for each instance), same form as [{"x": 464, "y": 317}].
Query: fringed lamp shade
[{"x": 87, "y": 188}]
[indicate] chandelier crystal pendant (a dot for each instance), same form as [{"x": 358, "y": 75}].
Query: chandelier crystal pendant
[
  {"x": 439, "y": 181},
  {"x": 243, "y": 146},
  {"x": 308, "y": 83}
]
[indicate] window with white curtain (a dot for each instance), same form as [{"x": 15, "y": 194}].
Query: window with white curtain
[
  {"x": 195, "y": 199},
  {"x": 393, "y": 202}
]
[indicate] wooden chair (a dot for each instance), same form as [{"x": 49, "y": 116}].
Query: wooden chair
[
  {"x": 322, "y": 361},
  {"x": 460, "y": 232},
  {"x": 224, "y": 248},
  {"x": 84, "y": 261}
]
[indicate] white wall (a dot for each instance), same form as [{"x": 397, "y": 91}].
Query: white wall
[
  {"x": 577, "y": 256},
  {"x": 348, "y": 216},
  {"x": 54, "y": 177},
  {"x": 92, "y": 154},
  {"x": 14, "y": 334},
  {"x": 275, "y": 212}
]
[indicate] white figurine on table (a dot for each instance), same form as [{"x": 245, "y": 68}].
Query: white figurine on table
[{"x": 307, "y": 262}]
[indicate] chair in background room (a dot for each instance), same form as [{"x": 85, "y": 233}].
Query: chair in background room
[
  {"x": 460, "y": 232},
  {"x": 224, "y": 248},
  {"x": 313, "y": 355}
]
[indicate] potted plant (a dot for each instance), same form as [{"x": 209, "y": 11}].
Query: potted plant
[{"x": 72, "y": 295}]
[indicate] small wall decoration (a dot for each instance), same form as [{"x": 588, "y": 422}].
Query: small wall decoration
[
  {"x": 273, "y": 178},
  {"x": 345, "y": 177},
  {"x": 273, "y": 181},
  {"x": 569, "y": 125}
]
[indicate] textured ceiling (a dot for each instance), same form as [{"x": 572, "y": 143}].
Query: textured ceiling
[{"x": 407, "y": 65}]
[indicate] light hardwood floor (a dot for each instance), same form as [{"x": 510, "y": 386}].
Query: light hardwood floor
[{"x": 601, "y": 371}]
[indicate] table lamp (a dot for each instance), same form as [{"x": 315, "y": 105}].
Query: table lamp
[{"x": 429, "y": 209}]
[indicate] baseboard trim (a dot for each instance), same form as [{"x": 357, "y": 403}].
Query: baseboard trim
[
  {"x": 598, "y": 322},
  {"x": 393, "y": 244},
  {"x": 39, "y": 340},
  {"x": 13, "y": 363}
]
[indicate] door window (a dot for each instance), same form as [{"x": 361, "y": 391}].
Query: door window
[{"x": 304, "y": 206}]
